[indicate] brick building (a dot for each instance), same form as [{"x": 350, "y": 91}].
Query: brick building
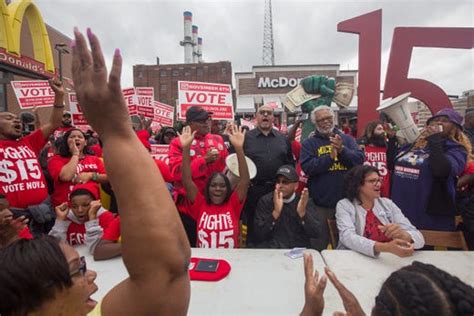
[{"x": 164, "y": 78}]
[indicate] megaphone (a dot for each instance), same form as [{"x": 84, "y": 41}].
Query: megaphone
[
  {"x": 232, "y": 169},
  {"x": 397, "y": 109}
]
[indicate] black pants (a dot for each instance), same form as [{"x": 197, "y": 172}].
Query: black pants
[
  {"x": 254, "y": 194},
  {"x": 323, "y": 214}
]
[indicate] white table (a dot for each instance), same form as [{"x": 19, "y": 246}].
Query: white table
[
  {"x": 261, "y": 282},
  {"x": 364, "y": 276}
]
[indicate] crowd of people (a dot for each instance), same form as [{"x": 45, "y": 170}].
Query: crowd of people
[{"x": 379, "y": 191}]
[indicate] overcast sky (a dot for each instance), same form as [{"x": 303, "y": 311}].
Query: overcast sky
[{"x": 305, "y": 32}]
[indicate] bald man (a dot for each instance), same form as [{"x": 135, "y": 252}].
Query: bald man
[{"x": 269, "y": 150}]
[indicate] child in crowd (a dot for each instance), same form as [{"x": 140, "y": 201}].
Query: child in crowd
[{"x": 83, "y": 219}]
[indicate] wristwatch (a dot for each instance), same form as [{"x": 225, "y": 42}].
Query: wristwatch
[{"x": 95, "y": 176}]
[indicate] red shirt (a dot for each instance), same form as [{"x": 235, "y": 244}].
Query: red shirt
[
  {"x": 76, "y": 233},
  {"x": 97, "y": 150},
  {"x": 25, "y": 233},
  {"x": 112, "y": 232},
  {"x": 469, "y": 168},
  {"x": 303, "y": 178},
  {"x": 164, "y": 169},
  {"x": 60, "y": 131},
  {"x": 377, "y": 157},
  {"x": 200, "y": 170},
  {"x": 63, "y": 188},
  {"x": 371, "y": 230},
  {"x": 21, "y": 177},
  {"x": 217, "y": 225}
]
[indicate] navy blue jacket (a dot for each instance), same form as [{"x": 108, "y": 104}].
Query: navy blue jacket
[{"x": 325, "y": 175}]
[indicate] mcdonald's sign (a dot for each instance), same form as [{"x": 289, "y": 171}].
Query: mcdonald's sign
[{"x": 11, "y": 18}]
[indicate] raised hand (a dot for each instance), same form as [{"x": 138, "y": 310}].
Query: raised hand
[
  {"x": 95, "y": 206},
  {"x": 301, "y": 208},
  {"x": 101, "y": 100},
  {"x": 277, "y": 203},
  {"x": 350, "y": 302},
  {"x": 313, "y": 289},
  {"x": 186, "y": 137},
  {"x": 236, "y": 136},
  {"x": 61, "y": 211},
  {"x": 57, "y": 87},
  {"x": 336, "y": 142}
]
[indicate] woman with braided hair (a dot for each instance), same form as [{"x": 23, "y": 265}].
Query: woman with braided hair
[
  {"x": 419, "y": 289},
  {"x": 423, "y": 289}
]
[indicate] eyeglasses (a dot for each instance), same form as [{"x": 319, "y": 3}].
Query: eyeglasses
[
  {"x": 327, "y": 118},
  {"x": 263, "y": 112},
  {"x": 82, "y": 268},
  {"x": 373, "y": 181}
]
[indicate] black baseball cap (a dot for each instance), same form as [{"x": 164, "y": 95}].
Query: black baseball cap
[
  {"x": 197, "y": 113},
  {"x": 289, "y": 172}
]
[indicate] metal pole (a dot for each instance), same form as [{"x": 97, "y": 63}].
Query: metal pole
[{"x": 60, "y": 57}]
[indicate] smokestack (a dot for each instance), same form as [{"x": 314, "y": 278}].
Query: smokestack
[
  {"x": 200, "y": 49},
  {"x": 195, "y": 44},
  {"x": 188, "y": 40}
]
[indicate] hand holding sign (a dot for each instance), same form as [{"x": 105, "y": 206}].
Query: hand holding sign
[{"x": 58, "y": 88}]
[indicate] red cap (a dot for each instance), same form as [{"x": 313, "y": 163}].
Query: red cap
[{"x": 90, "y": 186}]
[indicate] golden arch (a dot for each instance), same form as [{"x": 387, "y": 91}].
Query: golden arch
[{"x": 10, "y": 31}]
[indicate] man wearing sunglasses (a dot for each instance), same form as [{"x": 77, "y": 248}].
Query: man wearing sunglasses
[{"x": 269, "y": 150}]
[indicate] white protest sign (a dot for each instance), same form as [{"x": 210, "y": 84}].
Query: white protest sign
[
  {"x": 160, "y": 152},
  {"x": 145, "y": 98},
  {"x": 213, "y": 97},
  {"x": 164, "y": 114},
  {"x": 78, "y": 118},
  {"x": 145, "y": 95},
  {"x": 249, "y": 124},
  {"x": 130, "y": 100},
  {"x": 33, "y": 93},
  {"x": 298, "y": 134}
]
